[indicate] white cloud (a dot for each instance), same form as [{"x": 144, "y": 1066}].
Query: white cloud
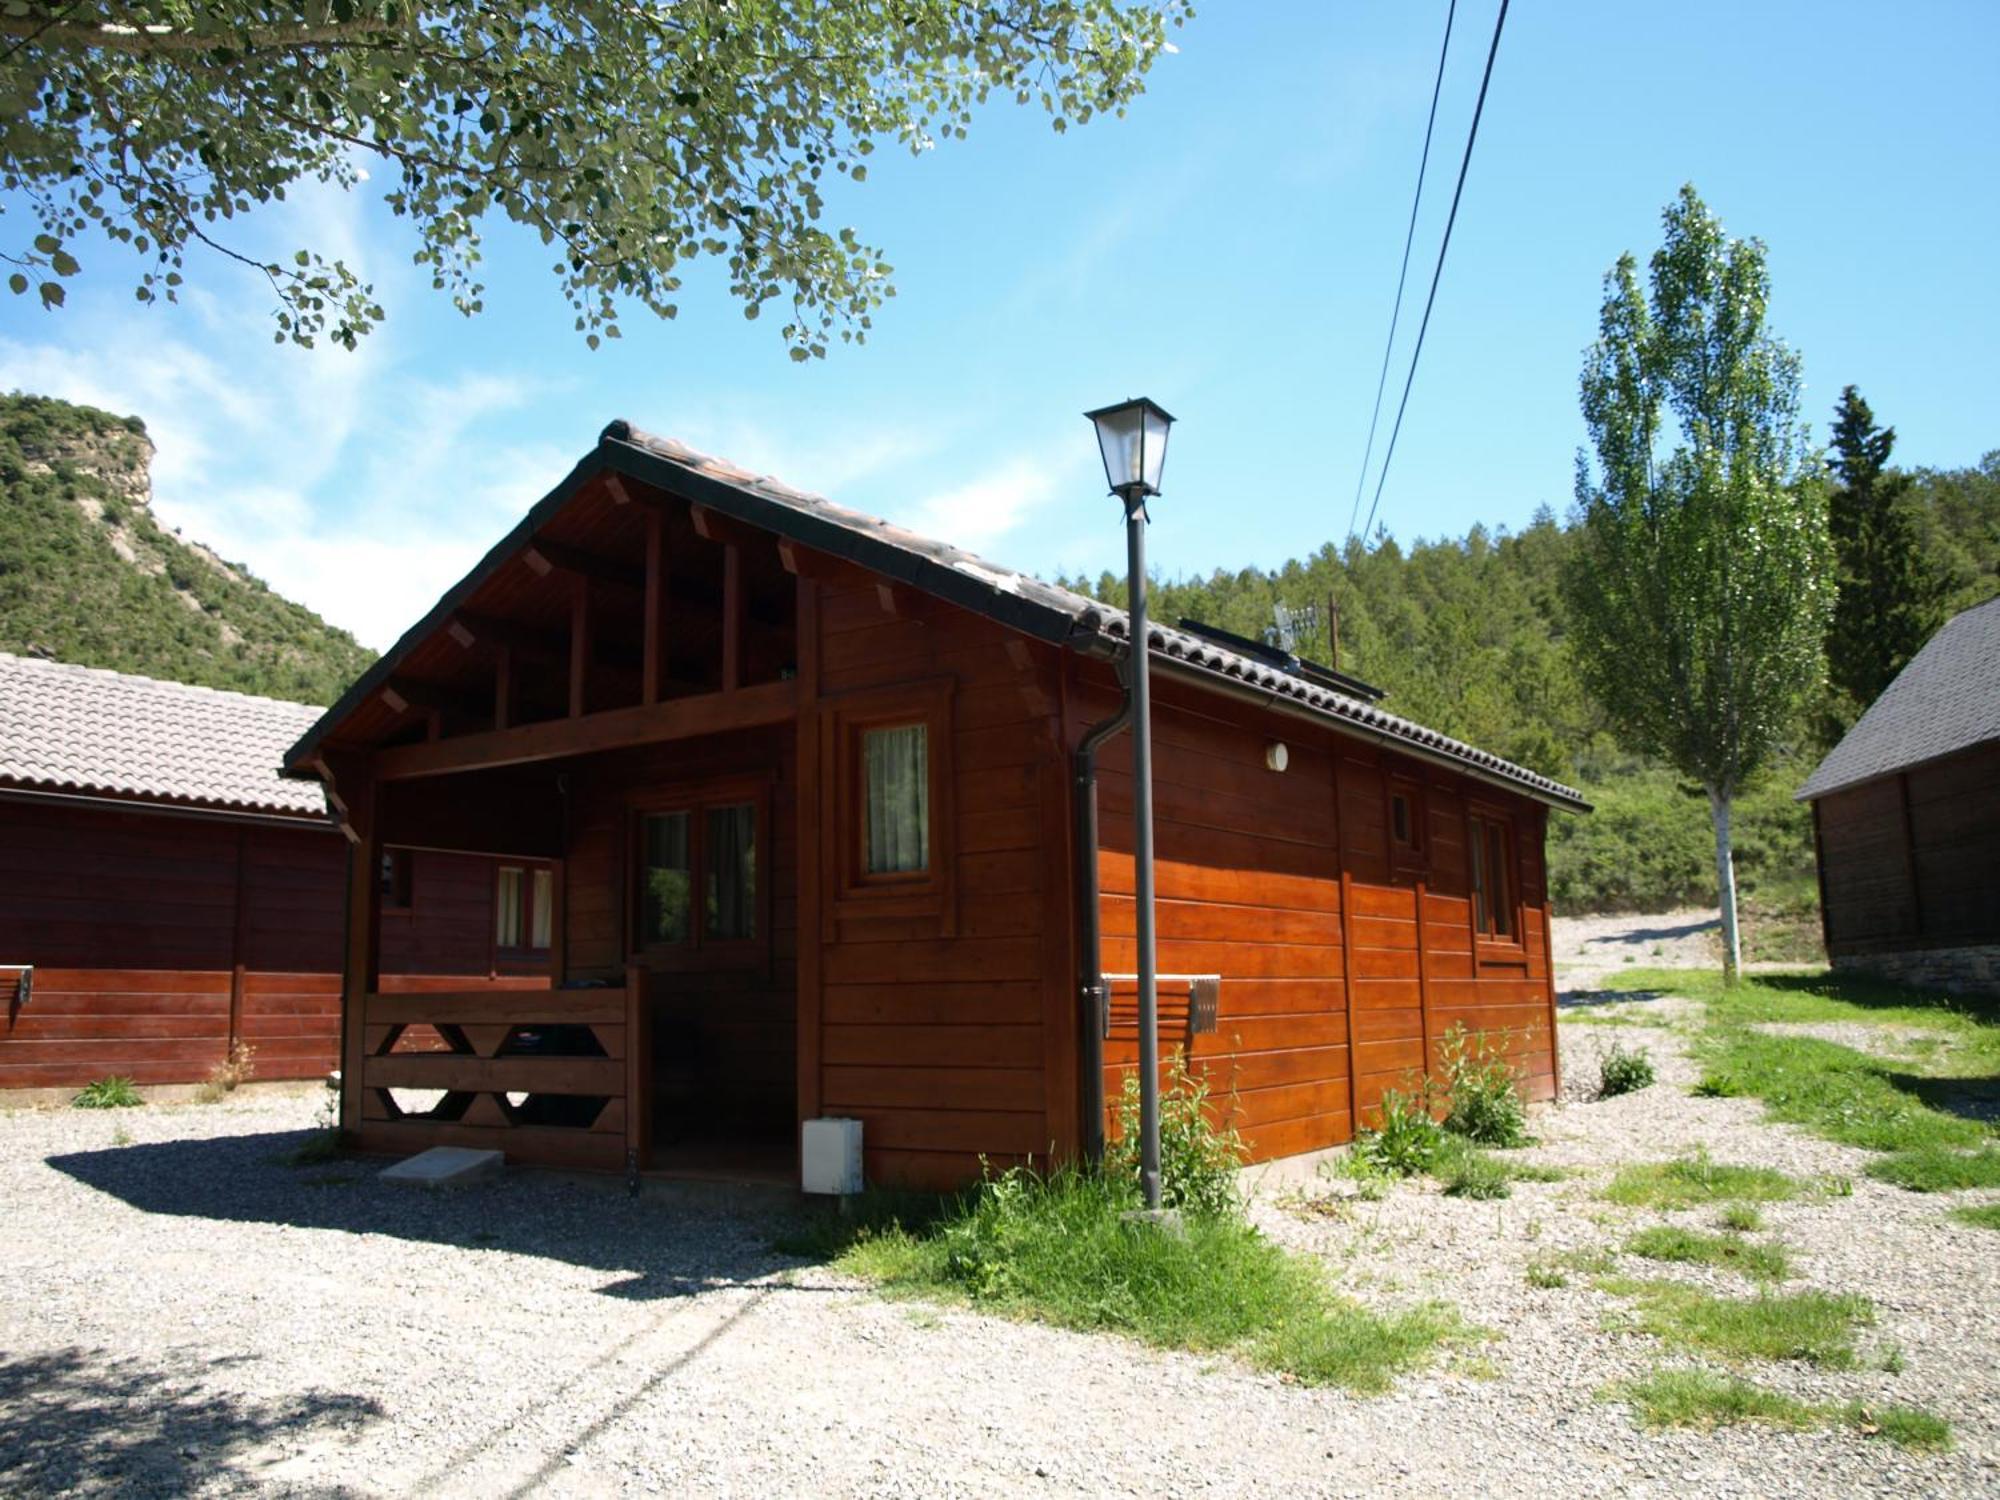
[{"x": 982, "y": 513}]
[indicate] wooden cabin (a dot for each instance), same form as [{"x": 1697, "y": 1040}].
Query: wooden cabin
[
  {"x": 167, "y": 899},
  {"x": 1906, "y": 819},
  {"x": 811, "y": 790}
]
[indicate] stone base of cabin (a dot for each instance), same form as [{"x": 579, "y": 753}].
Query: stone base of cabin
[{"x": 1959, "y": 971}]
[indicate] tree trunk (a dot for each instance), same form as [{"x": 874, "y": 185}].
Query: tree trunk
[{"x": 1725, "y": 886}]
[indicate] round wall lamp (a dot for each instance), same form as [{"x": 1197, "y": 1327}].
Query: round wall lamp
[{"x": 1276, "y": 756}]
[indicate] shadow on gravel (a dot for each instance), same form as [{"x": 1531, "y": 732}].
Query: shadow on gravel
[
  {"x": 1607, "y": 999},
  {"x": 78, "y": 1420},
  {"x": 656, "y": 1248},
  {"x": 1636, "y": 935}
]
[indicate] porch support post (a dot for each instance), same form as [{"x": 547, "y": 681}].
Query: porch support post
[
  {"x": 638, "y": 1074},
  {"x": 652, "y": 666},
  {"x": 732, "y": 617},
  {"x": 361, "y": 972},
  {"x": 579, "y": 649},
  {"x": 503, "y": 687}
]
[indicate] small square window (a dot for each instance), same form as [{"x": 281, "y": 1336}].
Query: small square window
[{"x": 896, "y": 798}]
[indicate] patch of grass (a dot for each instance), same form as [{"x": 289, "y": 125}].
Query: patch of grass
[
  {"x": 1624, "y": 1071},
  {"x": 1986, "y": 1216},
  {"x": 1905, "y": 1426},
  {"x": 1058, "y": 1249},
  {"x": 1669, "y": 1242},
  {"x": 1838, "y": 1093},
  {"x": 1546, "y": 1275},
  {"x": 1817, "y": 1327},
  {"x": 228, "y": 1075},
  {"x": 1740, "y": 1217},
  {"x": 1701, "y": 1399},
  {"x": 1698, "y": 1398},
  {"x": 1533, "y": 1171},
  {"x": 1476, "y": 1175},
  {"x": 1938, "y": 1169},
  {"x": 108, "y": 1093},
  {"x": 1692, "y": 1180}
]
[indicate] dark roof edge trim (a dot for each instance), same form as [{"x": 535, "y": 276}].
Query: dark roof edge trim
[
  {"x": 159, "y": 806},
  {"x": 1803, "y": 795}
]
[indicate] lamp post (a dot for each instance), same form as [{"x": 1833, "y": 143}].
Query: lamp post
[{"x": 1132, "y": 436}]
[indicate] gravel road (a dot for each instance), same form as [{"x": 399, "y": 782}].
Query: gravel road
[{"x": 184, "y": 1313}]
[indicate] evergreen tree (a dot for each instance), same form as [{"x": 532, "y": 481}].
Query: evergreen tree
[{"x": 1891, "y": 595}]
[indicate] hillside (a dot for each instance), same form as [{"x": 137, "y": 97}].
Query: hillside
[{"x": 87, "y": 574}]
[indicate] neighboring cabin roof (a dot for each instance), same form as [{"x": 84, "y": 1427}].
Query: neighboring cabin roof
[
  {"x": 1014, "y": 599},
  {"x": 1946, "y": 700},
  {"x": 82, "y": 729}
]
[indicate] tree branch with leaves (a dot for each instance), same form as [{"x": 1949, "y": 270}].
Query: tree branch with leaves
[{"x": 632, "y": 136}]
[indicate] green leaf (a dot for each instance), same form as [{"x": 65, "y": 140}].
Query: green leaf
[{"x": 52, "y": 293}]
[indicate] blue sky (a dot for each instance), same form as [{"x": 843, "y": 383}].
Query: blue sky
[{"x": 1229, "y": 248}]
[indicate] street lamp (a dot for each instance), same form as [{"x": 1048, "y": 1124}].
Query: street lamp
[{"x": 1132, "y": 436}]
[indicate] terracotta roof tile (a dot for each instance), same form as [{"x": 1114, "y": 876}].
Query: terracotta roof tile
[{"x": 83, "y": 729}]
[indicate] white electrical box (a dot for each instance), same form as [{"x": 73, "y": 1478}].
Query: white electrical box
[{"x": 830, "y": 1156}]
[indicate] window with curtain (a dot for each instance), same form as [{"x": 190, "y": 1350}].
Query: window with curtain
[
  {"x": 666, "y": 879},
  {"x": 541, "y": 923},
  {"x": 729, "y": 873},
  {"x": 507, "y": 908},
  {"x": 1492, "y": 898},
  {"x": 896, "y": 797}
]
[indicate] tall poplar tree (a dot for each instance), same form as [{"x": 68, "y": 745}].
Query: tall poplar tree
[
  {"x": 1891, "y": 596},
  {"x": 1701, "y": 586}
]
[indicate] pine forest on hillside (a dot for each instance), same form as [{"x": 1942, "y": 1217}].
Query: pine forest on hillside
[{"x": 88, "y": 574}]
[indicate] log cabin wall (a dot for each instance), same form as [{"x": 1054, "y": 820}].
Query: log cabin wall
[
  {"x": 1345, "y": 951},
  {"x": 156, "y": 939},
  {"x": 1909, "y": 861},
  {"x": 943, "y": 1018}
]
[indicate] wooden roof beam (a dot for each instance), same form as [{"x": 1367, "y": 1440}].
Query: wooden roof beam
[
  {"x": 544, "y": 557},
  {"x": 713, "y": 526},
  {"x": 765, "y": 703}
]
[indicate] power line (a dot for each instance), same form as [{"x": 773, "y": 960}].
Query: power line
[
  {"x": 1438, "y": 273},
  {"x": 1409, "y": 237}
]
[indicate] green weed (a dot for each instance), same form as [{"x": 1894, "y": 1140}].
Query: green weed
[
  {"x": 108, "y": 1093},
  {"x": 1483, "y": 1088},
  {"x": 1986, "y": 1216},
  {"x": 1624, "y": 1071},
  {"x": 1741, "y": 1217}
]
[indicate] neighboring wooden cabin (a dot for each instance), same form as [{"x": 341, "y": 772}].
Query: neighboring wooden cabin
[
  {"x": 808, "y": 785},
  {"x": 166, "y": 896},
  {"x": 1906, "y": 812}
]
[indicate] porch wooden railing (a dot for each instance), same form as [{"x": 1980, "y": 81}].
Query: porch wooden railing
[{"x": 552, "y": 1077}]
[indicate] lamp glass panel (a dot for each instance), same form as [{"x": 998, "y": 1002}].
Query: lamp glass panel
[
  {"x": 1153, "y": 449},
  {"x": 1121, "y": 438}
]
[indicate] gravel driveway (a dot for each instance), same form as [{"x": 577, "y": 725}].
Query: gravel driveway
[{"x": 183, "y": 1312}]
